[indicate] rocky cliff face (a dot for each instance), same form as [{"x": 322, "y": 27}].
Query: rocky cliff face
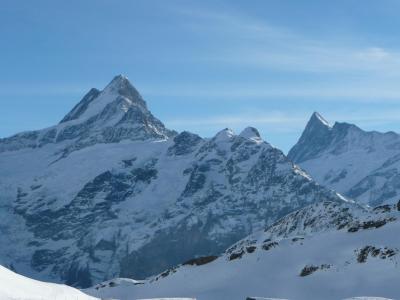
[
  {"x": 111, "y": 192},
  {"x": 359, "y": 164}
]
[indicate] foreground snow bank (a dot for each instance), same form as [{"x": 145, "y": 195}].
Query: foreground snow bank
[{"x": 14, "y": 286}]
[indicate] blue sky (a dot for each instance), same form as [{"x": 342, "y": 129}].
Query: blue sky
[{"x": 205, "y": 65}]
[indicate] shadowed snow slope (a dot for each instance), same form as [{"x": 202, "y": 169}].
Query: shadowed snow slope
[
  {"x": 325, "y": 251},
  {"x": 16, "y": 287},
  {"x": 360, "y": 165}
]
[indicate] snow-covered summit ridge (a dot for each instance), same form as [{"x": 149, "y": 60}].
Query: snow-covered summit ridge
[
  {"x": 96, "y": 101},
  {"x": 248, "y": 133}
]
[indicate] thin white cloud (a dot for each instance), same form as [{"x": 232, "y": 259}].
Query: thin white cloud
[
  {"x": 375, "y": 54},
  {"x": 253, "y": 42}
]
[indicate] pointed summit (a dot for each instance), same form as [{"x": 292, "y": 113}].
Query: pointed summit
[
  {"x": 317, "y": 125},
  {"x": 315, "y": 137},
  {"x": 121, "y": 86},
  {"x": 95, "y": 101},
  {"x": 119, "y": 79},
  {"x": 316, "y": 118},
  {"x": 116, "y": 113}
]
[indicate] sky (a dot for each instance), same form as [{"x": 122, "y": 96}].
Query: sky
[{"x": 205, "y": 65}]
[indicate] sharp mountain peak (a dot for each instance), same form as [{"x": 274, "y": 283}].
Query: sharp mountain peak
[{"x": 95, "y": 101}]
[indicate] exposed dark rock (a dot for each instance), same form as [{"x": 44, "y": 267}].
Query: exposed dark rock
[
  {"x": 382, "y": 253},
  {"x": 184, "y": 143},
  {"x": 200, "y": 260},
  {"x": 309, "y": 269},
  {"x": 269, "y": 246},
  {"x": 383, "y": 208},
  {"x": 77, "y": 276},
  {"x": 251, "y": 249},
  {"x": 236, "y": 255},
  {"x": 296, "y": 239},
  {"x": 370, "y": 224}
]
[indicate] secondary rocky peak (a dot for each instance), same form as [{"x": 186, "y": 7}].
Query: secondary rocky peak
[
  {"x": 251, "y": 133},
  {"x": 81, "y": 107},
  {"x": 224, "y": 135},
  {"x": 184, "y": 143}
]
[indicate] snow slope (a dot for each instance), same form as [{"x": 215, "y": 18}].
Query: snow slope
[
  {"x": 361, "y": 165},
  {"x": 16, "y": 287},
  {"x": 325, "y": 251},
  {"x": 109, "y": 191}
]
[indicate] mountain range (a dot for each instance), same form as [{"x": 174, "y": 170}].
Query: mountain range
[{"x": 111, "y": 192}]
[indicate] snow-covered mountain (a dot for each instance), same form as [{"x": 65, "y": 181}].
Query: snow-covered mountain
[
  {"x": 17, "y": 287},
  {"x": 328, "y": 250},
  {"x": 361, "y": 165},
  {"x": 110, "y": 191}
]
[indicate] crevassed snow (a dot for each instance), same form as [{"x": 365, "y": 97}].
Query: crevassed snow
[{"x": 17, "y": 287}]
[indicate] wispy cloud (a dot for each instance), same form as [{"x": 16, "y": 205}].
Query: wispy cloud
[{"x": 256, "y": 43}]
